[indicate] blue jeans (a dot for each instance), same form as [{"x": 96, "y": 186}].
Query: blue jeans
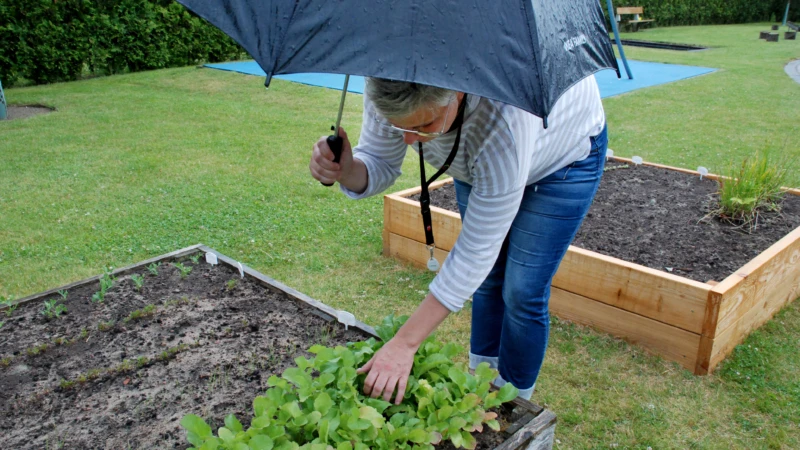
[{"x": 510, "y": 317}]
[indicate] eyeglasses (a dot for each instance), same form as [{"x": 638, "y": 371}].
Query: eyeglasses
[{"x": 424, "y": 134}]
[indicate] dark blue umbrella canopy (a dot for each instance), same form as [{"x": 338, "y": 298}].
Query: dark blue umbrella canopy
[{"x": 524, "y": 53}]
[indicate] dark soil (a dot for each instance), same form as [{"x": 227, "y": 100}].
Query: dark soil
[
  {"x": 25, "y": 111},
  {"x": 657, "y": 218},
  {"x": 106, "y": 381}
]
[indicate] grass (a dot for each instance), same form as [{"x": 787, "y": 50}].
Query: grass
[
  {"x": 710, "y": 120},
  {"x": 138, "y": 165}
]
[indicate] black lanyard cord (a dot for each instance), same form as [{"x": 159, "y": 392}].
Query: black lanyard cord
[{"x": 424, "y": 197}]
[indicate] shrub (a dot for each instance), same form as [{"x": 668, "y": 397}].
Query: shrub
[{"x": 45, "y": 41}]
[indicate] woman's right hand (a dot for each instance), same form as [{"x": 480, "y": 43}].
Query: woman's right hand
[{"x": 322, "y": 166}]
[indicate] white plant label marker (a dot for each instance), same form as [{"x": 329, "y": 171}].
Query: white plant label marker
[
  {"x": 346, "y": 319},
  {"x": 211, "y": 259},
  {"x": 609, "y": 154},
  {"x": 433, "y": 264},
  {"x": 703, "y": 171},
  {"x": 241, "y": 269},
  {"x": 637, "y": 160}
]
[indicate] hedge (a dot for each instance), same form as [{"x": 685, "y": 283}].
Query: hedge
[
  {"x": 46, "y": 41},
  {"x": 711, "y": 12}
]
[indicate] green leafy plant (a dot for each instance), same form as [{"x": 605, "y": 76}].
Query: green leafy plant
[
  {"x": 319, "y": 404},
  {"x": 63, "y": 293},
  {"x": 153, "y": 269},
  {"x": 105, "y": 326},
  {"x": 195, "y": 258},
  {"x": 138, "y": 281},
  {"x": 106, "y": 282},
  {"x": 231, "y": 284},
  {"x": 750, "y": 188},
  {"x": 52, "y": 309},
  {"x": 184, "y": 270},
  {"x": 8, "y": 302}
]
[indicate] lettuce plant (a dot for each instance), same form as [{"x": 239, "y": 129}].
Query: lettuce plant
[{"x": 318, "y": 405}]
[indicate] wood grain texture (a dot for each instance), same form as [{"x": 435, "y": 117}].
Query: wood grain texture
[
  {"x": 413, "y": 252},
  {"x": 670, "y": 342},
  {"x": 661, "y": 296},
  {"x": 405, "y": 219}
]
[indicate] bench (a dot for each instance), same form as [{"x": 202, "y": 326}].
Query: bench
[{"x": 636, "y": 12}]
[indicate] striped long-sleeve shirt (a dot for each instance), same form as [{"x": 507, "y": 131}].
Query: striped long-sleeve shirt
[{"x": 502, "y": 150}]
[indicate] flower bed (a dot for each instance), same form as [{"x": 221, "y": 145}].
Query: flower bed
[
  {"x": 168, "y": 338},
  {"x": 694, "y": 323}
]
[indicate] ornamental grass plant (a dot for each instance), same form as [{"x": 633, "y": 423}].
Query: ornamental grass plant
[{"x": 752, "y": 187}]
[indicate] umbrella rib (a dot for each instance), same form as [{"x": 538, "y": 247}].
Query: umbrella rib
[
  {"x": 283, "y": 39},
  {"x": 538, "y": 69}
]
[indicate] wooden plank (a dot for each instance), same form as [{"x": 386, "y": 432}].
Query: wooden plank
[
  {"x": 416, "y": 190},
  {"x": 387, "y": 219},
  {"x": 321, "y": 309},
  {"x": 734, "y": 335},
  {"x": 748, "y": 298},
  {"x": 405, "y": 219},
  {"x": 765, "y": 282},
  {"x": 661, "y": 296},
  {"x": 711, "y": 176},
  {"x": 413, "y": 252},
  {"x": 670, "y": 342},
  {"x": 630, "y": 10},
  {"x": 119, "y": 272},
  {"x": 536, "y": 435}
]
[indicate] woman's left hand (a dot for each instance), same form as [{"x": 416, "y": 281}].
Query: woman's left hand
[{"x": 389, "y": 369}]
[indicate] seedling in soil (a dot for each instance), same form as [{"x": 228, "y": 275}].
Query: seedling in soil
[
  {"x": 231, "y": 284},
  {"x": 138, "y": 281},
  {"x": 148, "y": 310},
  {"x": 105, "y": 326},
  {"x": 185, "y": 270},
  {"x": 63, "y": 294},
  {"x": 195, "y": 258},
  {"x": 52, "y": 309},
  {"x": 5, "y": 362},
  {"x": 33, "y": 351},
  {"x": 9, "y": 303},
  {"x": 106, "y": 283},
  {"x": 153, "y": 269}
]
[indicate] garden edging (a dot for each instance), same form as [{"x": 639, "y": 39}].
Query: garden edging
[
  {"x": 533, "y": 429},
  {"x": 693, "y": 323}
]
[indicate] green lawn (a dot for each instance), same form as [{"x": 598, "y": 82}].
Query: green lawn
[{"x": 134, "y": 166}]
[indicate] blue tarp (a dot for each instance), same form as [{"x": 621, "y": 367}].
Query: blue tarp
[{"x": 645, "y": 74}]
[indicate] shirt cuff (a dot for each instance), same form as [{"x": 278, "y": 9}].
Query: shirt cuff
[
  {"x": 453, "y": 304},
  {"x": 371, "y": 189}
]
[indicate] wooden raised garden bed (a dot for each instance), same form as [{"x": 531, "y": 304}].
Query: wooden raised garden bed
[
  {"x": 694, "y": 323},
  {"x": 193, "y": 338}
]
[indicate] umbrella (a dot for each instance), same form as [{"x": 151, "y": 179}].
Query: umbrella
[{"x": 524, "y": 53}]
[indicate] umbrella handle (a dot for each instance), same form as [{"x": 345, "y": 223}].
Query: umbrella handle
[{"x": 335, "y": 143}]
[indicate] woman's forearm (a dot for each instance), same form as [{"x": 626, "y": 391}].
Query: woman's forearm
[
  {"x": 428, "y": 315},
  {"x": 357, "y": 179}
]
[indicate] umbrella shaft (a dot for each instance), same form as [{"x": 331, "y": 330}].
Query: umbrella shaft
[{"x": 341, "y": 105}]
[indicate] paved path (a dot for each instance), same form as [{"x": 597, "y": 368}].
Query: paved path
[{"x": 793, "y": 70}]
